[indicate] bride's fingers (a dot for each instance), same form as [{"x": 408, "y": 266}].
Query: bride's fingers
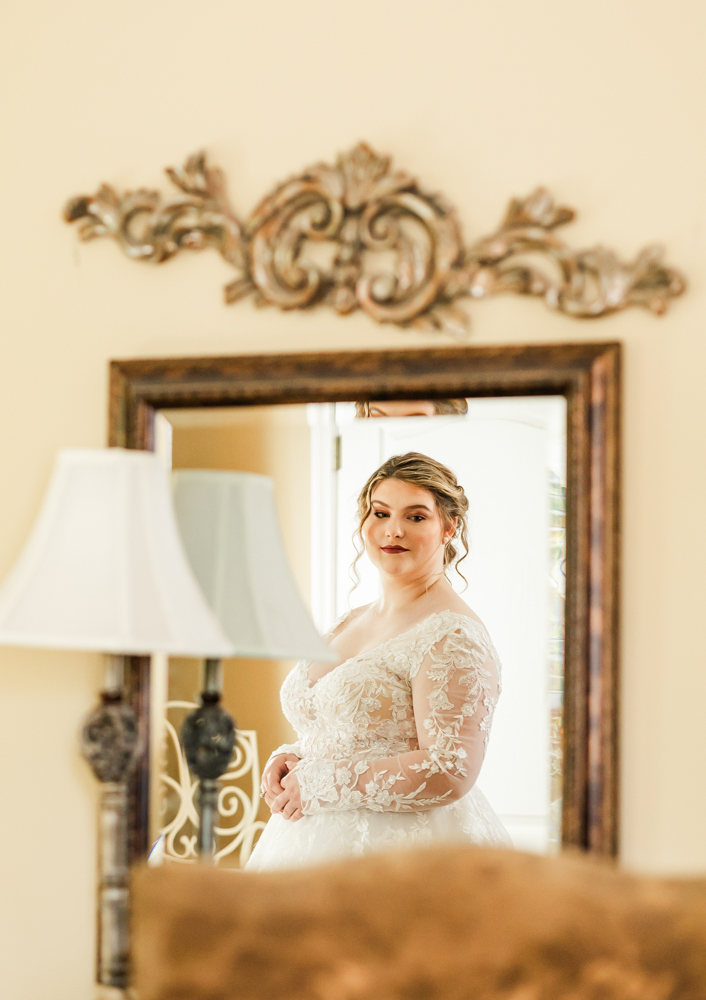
[
  {"x": 275, "y": 779},
  {"x": 273, "y": 773},
  {"x": 289, "y": 810},
  {"x": 268, "y": 775},
  {"x": 271, "y": 781},
  {"x": 280, "y": 790},
  {"x": 272, "y": 788},
  {"x": 279, "y": 802}
]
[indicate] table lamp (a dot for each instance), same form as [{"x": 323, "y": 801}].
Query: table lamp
[
  {"x": 231, "y": 534},
  {"x": 104, "y": 569}
]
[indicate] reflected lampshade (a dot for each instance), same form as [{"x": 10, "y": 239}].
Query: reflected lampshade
[
  {"x": 231, "y": 533},
  {"x": 104, "y": 568}
]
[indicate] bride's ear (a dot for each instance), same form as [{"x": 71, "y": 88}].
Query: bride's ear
[{"x": 450, "y": 530}]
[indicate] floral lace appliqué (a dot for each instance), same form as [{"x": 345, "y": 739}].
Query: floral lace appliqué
[{"x": 401, "y": 728}]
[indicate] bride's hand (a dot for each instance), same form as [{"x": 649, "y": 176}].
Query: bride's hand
[
  {"x": 289, "y": 803},
  {"x": 273, "y": 774}
]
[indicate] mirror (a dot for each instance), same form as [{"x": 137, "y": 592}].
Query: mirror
[
  {"x": 531, "y": 433},
  {"x": 509, "y": 455}
]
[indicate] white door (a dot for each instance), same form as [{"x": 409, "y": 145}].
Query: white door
[{"x": 501, "y": 453}]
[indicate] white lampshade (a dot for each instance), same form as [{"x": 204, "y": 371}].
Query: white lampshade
[
  {"x": 231, "y": 534},
  {"x": 104, "y": 568}
]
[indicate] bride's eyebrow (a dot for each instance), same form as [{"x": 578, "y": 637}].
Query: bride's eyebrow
[{"x": 415, "y": 506}]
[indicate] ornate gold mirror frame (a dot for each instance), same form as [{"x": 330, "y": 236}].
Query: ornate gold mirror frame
[
  {"x": 386, "y": 245},
  {"x": 588, "y": 375}
]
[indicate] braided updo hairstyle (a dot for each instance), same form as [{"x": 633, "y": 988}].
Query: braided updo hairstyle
[{"x": 449, "y": 497}]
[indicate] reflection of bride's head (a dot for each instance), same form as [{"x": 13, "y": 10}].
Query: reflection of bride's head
[
  {"x": 410, "y": 407},
  {"x": 449, "y": 502}
]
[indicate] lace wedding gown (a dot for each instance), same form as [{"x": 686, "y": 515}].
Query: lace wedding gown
[{"x": 391, "y": 742}]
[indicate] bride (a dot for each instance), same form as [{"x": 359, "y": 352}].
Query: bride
[{"x": 391, "y": 741}]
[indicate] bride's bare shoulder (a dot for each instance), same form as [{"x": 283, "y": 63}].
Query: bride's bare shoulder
[
  {"x": 457, "y": 606},
  {"x": 344, "y": 623}
]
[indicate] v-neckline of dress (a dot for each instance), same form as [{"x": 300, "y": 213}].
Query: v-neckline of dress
[{"x": 312, "y": 685}]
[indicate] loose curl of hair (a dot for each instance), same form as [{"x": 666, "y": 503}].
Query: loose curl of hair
[{"x": 449, "y": 498}]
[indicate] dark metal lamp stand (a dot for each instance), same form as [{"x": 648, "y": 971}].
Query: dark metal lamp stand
[
  {"x": 208, "y": 735},
  {"x": 110, "y": 743}
]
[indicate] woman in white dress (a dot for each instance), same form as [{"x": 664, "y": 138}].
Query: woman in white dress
[{"x": 392, "y": 739}]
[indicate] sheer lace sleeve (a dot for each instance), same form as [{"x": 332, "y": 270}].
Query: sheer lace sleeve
[{"x": 454, "y": 691}]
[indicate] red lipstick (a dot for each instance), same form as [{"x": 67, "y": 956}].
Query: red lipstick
[{"x": 393, "y": 548}]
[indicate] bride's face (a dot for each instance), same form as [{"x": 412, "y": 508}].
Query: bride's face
[{"x": 404, "y": 532}]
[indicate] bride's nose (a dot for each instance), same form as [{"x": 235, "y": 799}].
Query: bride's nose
[{"x": 394, "y": 528}]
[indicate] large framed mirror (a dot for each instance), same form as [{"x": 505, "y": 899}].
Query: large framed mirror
[{"x": 532, "y": 432}]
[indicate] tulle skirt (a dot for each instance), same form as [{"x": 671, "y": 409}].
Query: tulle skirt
[{"x": 334, "y": 834}]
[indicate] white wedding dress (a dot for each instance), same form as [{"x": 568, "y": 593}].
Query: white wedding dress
[{"x": 391, "y": 742}]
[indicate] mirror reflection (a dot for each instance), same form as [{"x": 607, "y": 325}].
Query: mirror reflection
[{"x": 488, "y": 472}]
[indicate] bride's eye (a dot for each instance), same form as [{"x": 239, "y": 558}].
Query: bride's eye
[
  {"x": 380, "y": 513},
  {"x": 417, "y": 517}
]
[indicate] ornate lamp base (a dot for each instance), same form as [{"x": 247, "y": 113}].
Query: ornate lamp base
[
  {"x": 111, "y": 744},
  {"x": 208, "y": 735}
]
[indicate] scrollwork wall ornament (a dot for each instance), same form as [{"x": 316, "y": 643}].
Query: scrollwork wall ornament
[{"x": 396, "y": 251}]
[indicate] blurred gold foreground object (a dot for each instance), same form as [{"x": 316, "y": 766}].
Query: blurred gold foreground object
[{"x": 453, "y": 923}]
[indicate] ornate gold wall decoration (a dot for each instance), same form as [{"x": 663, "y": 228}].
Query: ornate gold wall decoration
[{"x": 390, "y": 248}]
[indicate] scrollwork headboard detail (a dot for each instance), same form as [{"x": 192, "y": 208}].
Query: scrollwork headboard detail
[{"x": 359, "y": 207}]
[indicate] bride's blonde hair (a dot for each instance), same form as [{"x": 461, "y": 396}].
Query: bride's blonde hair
[{"x": 449, "y": 497}]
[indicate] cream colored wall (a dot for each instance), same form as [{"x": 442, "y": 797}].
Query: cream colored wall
[{"x": 603, "y": 102}]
